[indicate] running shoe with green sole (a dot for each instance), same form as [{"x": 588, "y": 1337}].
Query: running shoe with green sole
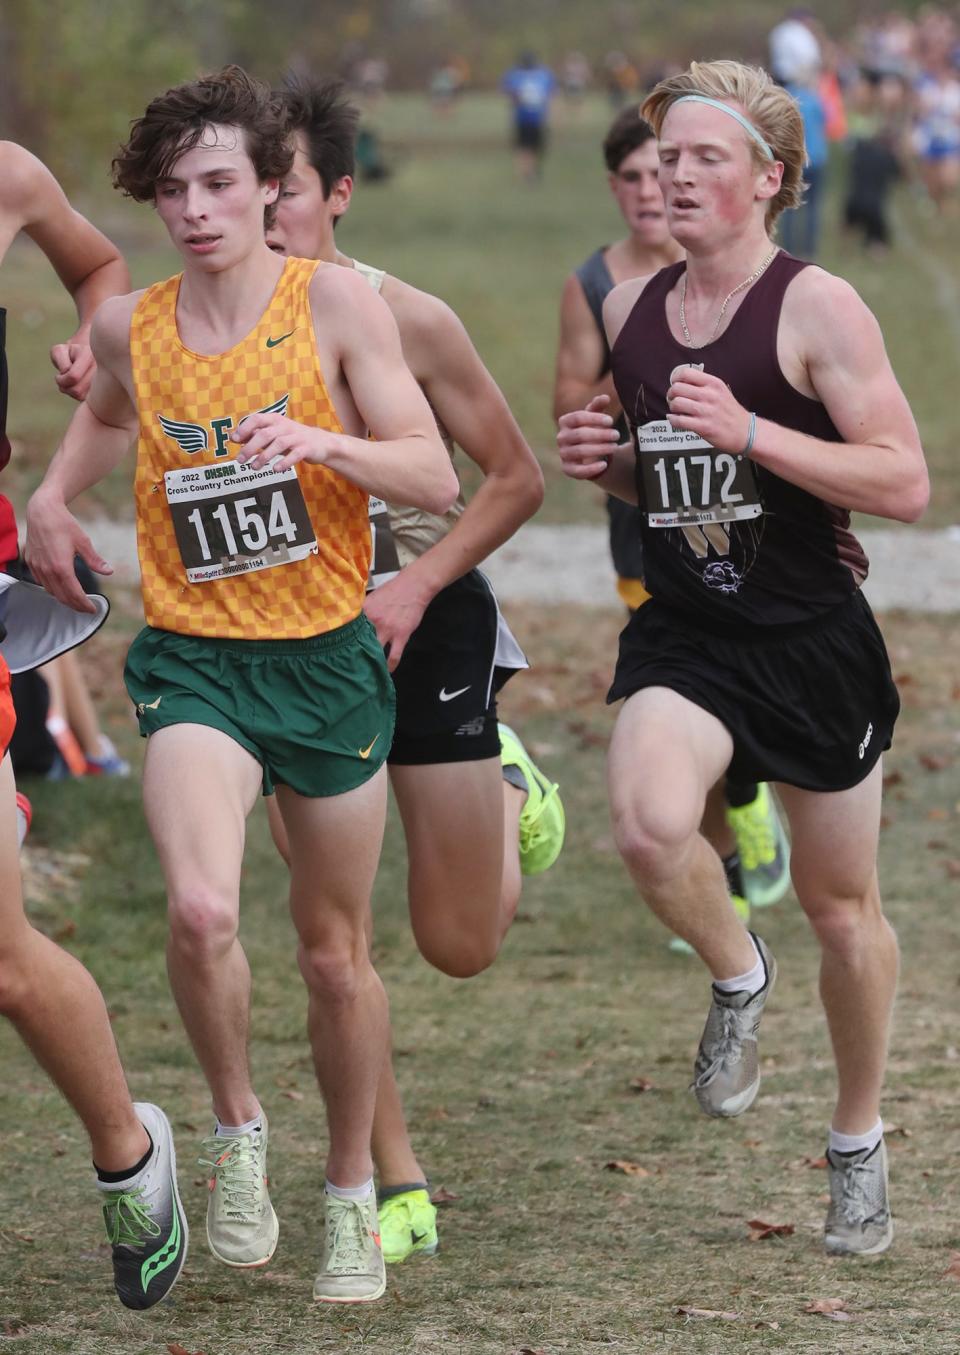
[
  {"x": 742, "y": 910},
  {"x": 145, "y": 1222},
  {"x": 542, "y": 822},
  {"x": 242, "y": 1228},
  {"x": 408, "y": 1226},
  {"x": 858, "y": 1220},
  {"x": 352, "y": 1269},
  {"x": 763, "y": 848}
]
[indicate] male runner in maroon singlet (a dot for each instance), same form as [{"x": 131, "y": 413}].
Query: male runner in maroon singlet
[{"x": 751, "y": 418}]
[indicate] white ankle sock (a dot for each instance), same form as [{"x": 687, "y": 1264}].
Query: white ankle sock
[
  {"x": 362, "y": 1192},
  {"x": 855, "y": 1143},
  {"x": 752, "y": 981},
  {"x": 233, "y": 1131}
]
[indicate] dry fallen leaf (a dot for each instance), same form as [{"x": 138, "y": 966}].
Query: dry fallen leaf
[
  {"x": 934, "y": 762},
  {"x": 628, "y": 1168},
  {"x": 898, "y": 1131},
  {"x": 766, "y": 1326},
  {"x": 952, "y": 1271},
  {"x": 443, "y": 1196},
  {"x": 760, "y": 1230},
  {"x": 292, "y": 1094},
  {"x": 952, "y": 867},
  {"x": 176, "y": 1349},
  {"x": 703, "y": 1313},
  {"x": 641, "y": 1084},
  {"x": 834, "y": 1309}
]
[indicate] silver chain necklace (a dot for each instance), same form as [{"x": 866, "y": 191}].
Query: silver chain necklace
[{"x": 729, "y": 296}]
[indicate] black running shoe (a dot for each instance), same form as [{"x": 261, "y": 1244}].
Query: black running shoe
[{"x": 146, "y": 1225}]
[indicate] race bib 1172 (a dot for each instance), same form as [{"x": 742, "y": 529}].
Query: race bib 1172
[{"x": 687, "y": 482}]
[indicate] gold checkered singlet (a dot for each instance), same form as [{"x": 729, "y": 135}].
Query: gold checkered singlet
[{"x": 225, "y": 551}]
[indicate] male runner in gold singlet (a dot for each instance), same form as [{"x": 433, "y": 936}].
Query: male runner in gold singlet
[
  {"x": 476, "y": 812},
  {"x": 252, "y": 382},
  {"x": 50, "y": 999}
]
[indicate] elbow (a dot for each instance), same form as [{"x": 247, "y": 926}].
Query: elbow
[
  {"x": 443, "y": 492},
  {"x": 533, "y": 490},
  {"x": 912, "y": 498}
]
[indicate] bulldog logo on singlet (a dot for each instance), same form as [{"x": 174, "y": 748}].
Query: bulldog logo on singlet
[
  {"x": 708, "y": 500},
  {"x": 192, "y": 437}
]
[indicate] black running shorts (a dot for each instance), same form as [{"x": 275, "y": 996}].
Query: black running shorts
[
  {"x": 447, "y": 680},
  {"x": 812, "y": 705}
]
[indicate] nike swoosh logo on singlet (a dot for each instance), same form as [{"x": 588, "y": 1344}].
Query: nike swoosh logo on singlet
[
  {"x": 272, "y": 343},
  {"x": 448, "y": 696}
]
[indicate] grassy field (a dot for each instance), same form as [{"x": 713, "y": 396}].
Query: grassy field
[{"x": 521, "y": 1085}]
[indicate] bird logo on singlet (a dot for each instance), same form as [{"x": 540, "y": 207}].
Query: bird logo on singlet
[{"x": 192, "y": 437}]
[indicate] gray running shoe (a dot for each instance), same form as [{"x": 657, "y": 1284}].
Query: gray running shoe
[
  {"x": 352, "y": 1269},
  {"x": 858, "y": 1220},
  {"x": 242, "y": 1227},
  {"x": 727, "y": 1072},
  {"x": 146, "y": 1225}
]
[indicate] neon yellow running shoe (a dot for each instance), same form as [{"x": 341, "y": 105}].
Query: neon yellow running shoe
[
  {"x": 740, "y": 906},
  {"x": 542, "y": 821},
  {"x": 408, "y": 1225},
  {"x": 763, "y": 847}
]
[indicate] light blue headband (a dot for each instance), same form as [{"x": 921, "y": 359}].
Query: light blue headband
[{"x": 747, "y": 126}]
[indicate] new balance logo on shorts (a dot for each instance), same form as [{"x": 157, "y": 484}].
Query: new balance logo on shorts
[{"x": 866, "y": 741}]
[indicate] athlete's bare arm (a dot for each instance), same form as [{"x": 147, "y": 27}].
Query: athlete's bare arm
[
  {"x": 579, "y": 356},
  {"x": 98, "y": 437},
  {"x": 88, "y": 265},
  {"x": 471, "y": 408},
  {"x": 372, "y": 388},
  {"x": 589, "y": 445},
  {"x": 879, "y": 467}
]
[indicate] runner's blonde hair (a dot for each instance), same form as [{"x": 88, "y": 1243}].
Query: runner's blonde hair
[{"x": 769, "y": 107}]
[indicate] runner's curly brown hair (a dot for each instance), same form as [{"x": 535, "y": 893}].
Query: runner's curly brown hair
[{"x": 176, "y": 121}]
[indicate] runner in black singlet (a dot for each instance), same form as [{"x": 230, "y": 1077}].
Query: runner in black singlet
[
  {"x": 477, "y": 813},
  {"x": 750, "y": 419}
]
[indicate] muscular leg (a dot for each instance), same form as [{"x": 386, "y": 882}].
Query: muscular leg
[
  {"x": 59, "y": 1013},
  {"x": 463, "y": 886},
  {"x": 834, "y": 873},
  {"x": 656, "y": 822},
  {"x": 334, "y": 846},
  {"x": 198, "y": 788}
]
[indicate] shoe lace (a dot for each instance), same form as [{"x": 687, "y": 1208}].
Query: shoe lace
[
  {"x": 726, "y": 1050},
  {"x": 236, "y": 1169},
  {"x": 855, "y": 1205},
  {"x": 756, "y": 842},
  {"x": 530, "y": 833},
  {"x": 348, "y": 1238},
  {"x": 127, "y": 1218}
]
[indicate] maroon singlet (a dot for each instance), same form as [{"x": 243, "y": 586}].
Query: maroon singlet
[{"x": 738, "y": 545}]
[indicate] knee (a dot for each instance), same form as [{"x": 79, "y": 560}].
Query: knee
[
  {"x": 203, "y": 924},
  {"x": 15, "y": 986},
  {"x": 333, "y": 970},
  {"x": 458, "y": 952},
  {"x": 847, "y": 927},
  {"x": 652, "y": 849}
]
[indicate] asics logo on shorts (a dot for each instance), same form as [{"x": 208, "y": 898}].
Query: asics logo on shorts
[
  {"x": 448, "y": 696},
  {"x": 866, "y": 740}
]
